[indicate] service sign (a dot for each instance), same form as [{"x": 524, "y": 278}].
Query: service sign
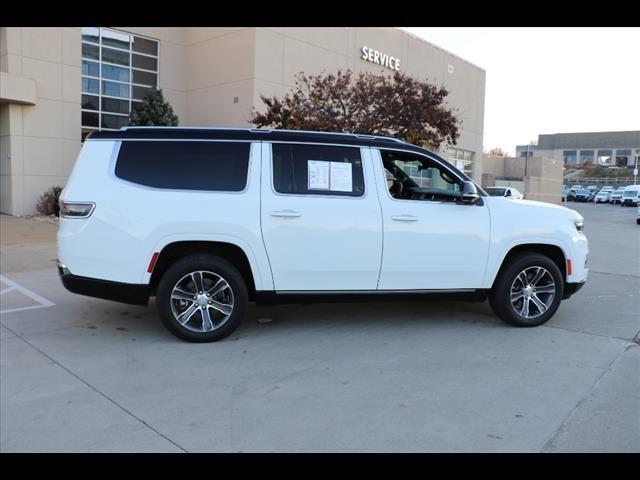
[{"x": 374, "y": 56}]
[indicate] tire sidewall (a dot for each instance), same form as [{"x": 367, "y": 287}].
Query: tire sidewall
[
  {"x": 500, "y": 296},
  {"x": 193, "y": 263}
]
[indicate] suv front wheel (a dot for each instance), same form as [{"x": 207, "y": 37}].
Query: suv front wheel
[
  {"x": 201, "y": 298},
  {"x": 528, "y": 291}
]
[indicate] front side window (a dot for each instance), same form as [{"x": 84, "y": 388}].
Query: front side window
[
  {"x": 118, "y": 68},
  {"x": 213, "y": 166},
  {"x": 414, "y": 177},
  {"x": 317, "y": 170}
]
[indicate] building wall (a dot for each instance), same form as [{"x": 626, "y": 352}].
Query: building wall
[
  {"x": 211, "y": 77},
  {"x": 542, "y": 182},
  {"x": 39, "y": 142},
  {"x": 624, "y": 144}
]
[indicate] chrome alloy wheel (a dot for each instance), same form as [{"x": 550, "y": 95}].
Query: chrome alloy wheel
[
  {"x": 532, "y": 292},
  {"x": 202, "y": 301}
]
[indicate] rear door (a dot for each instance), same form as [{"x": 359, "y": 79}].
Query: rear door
[{"x": 321, "y": 220}]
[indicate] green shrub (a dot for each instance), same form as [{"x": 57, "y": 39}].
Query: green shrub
[{"x": 48, "y": 203}]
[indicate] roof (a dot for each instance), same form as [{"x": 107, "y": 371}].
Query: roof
[{"x": 251, "y": 134}]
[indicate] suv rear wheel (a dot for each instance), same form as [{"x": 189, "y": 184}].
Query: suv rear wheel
[
  {"x": 201, "y": 298},
  {"x": 528, "y": 291}
]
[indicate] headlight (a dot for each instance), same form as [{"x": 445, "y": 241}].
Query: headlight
[{"x": 579, "y": 224}]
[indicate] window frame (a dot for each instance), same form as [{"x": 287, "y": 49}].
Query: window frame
[
  {"x": 116, "y": 152},
  {"x": 446, "y": 165},
  {"x": 338, "y": 195}
]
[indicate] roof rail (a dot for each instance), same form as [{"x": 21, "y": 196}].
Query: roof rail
[{"x": 270, "y": 130}]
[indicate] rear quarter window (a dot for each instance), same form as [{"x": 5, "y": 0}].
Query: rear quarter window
[{"x": 213, "y": 166}]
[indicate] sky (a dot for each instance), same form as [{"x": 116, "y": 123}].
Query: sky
[{"x": 549, "y": 80}]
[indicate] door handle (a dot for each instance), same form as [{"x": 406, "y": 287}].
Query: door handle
[
  {"x": 404, "y": 218},
  {"x": 285, "y": 213}
]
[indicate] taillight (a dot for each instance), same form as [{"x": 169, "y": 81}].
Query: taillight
[{"x": 76, "y": 209}]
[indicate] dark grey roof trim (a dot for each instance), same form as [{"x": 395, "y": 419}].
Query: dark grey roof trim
[{"x": 267, "y": 135}]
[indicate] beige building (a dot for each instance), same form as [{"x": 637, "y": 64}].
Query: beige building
[
  {"x": 538, "y": 178},
  {"x": 58, "y": 84}
]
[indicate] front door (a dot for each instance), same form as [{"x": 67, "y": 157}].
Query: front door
[
  {"x": 432, "y": 241},
  {"x": 321, "y": 220}
]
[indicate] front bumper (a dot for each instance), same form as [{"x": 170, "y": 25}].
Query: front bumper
[{"x": 132, "y": 293}]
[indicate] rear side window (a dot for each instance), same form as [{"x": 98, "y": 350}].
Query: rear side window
[
  {"x": 317, "y": 170},
  {"x": 219, "y": 166}
]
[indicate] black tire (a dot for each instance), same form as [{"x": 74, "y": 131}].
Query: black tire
[
  {"x": 500, "y": 295},
  {"x": 195, "y": 263}
]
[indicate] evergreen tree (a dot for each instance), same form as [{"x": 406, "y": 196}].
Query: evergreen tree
[{"x": 153, "y": 110}]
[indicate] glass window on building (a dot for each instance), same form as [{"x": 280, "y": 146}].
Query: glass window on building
[
  {"x": 605, "y": 158},
  {"x": 462, "y": 159},
  {"x": 586, "y": 156},
  {"x": 622, "y": 157},
  {"x": 118, "y": 68},
  {"x": 570, "y": 157}
]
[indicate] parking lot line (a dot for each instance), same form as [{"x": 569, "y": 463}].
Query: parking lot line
[{"x": 42, "y": 302}]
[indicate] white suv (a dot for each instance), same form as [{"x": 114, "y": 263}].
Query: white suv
[{"x": 207, "y": 220}]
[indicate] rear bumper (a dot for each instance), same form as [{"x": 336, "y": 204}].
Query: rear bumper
[
  {"x": 132, "y": 293},
  {"x": 571, "y": 288}
]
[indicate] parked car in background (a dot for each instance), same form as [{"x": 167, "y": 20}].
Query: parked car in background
[
  {"x": 584, "y": 195},
  {"x": 508, "y": 192},
  {"x": 617, "y": 195},
  {"x": 572, "y": 192},
  {"x": 592, "y": 188},
  {"x": 607, "y": 188},
  {"x": 603, "y": 196},
  {"x": 631, "y": 196}
]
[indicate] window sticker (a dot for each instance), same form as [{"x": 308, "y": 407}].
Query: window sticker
[
  {"x": 318, "y": 176},
  {"x": 341, "y": 178}
]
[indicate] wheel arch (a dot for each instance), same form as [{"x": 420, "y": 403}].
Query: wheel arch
[
  {"x": 553, "y": 251},
  {"x": 176, "y": 250}
]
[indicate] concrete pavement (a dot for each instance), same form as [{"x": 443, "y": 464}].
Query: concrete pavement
[{"x": 92, "y": 375}]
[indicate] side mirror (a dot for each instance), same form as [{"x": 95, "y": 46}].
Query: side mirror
[
  {"x": 508, "y": 194},
  {"x": 469, "y": 192}
]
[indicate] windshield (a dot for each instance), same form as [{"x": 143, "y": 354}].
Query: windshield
[
  {"x": 630, "y": 193},
  {"x": 496, "y": 192},
  {"x": 584, "y": 192}
]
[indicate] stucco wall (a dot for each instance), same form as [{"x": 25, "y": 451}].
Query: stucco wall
[
  {"x": 543, "y": 179},
  {"x": 39, "y": 143}
]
